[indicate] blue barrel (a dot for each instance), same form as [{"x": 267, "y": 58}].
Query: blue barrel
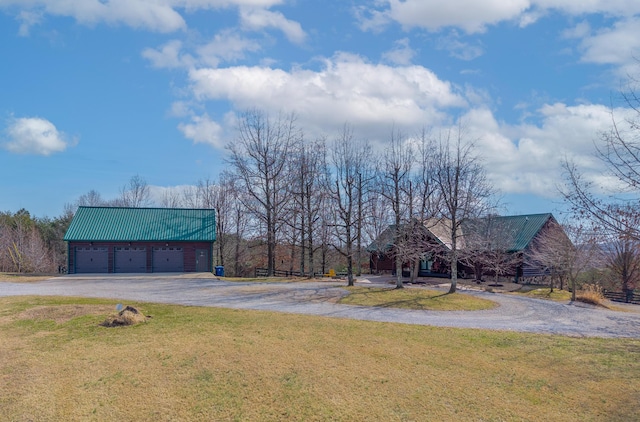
[{"x": 219, "y": 271}]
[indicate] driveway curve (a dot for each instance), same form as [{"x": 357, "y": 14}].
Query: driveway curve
[{"x": 514, "y": 313}]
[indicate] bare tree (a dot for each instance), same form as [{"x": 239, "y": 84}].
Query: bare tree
[
  {"x": 622, "y": 257},
  {"x": 411, "y": 243},
  {"x": 171, "y": 198},
  {"x": 22, "y": 246},
  {"x": 424, "y": 201},
  {"x": 566, "y": 251},
  {"x": 619, "y": 151},
  {"x": 308, "y": 195},
  {"x": 190, "y": 197},
  {"x": 349, "y": 158},
  {"x": 463, "y": 187},
  {"x": 259, "y": 156},
  {"x": 90, "y": 199},
  {"x": 488, "y": 243},
  {"x": 135, "y": 194},
  {"x": 52, "y": 231},
  {"x": 326, "y": 227},
  {"x": 226, "y": 197},
  {"x": 394, "y": 174},
  {"x": 376, "y": 219},
  {"x": 365, "y": 178},
  {"x": 217, "y": 196}
]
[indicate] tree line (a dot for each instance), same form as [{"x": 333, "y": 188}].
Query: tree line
[
  {"x": 313, "y": 204},
  {"x": 30, "y": 244},
  {"x": 288, "y": 202}
]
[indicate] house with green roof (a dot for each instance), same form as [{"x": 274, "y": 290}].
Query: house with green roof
[
  {"x": 140, "y": 240},
  {"x": 514, "y": 235}
]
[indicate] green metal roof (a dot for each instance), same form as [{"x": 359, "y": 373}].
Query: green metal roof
[
  {"x": 527, "y": 227},
  {"x": 116, "y": 224},
  {"x": 521, "y": 228},
  {"x": 384, "y": 242}
]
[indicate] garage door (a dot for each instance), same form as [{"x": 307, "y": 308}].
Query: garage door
[
  {"x": 168, "y": 260},
  {"x": 130, "y": 260},
  {"x": 92, "y": 260}
]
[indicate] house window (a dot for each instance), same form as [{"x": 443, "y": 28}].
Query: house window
[{"x": 426, "y": 263}]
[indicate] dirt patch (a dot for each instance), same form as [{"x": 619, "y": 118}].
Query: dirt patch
[{"x": 63, "y": 313}]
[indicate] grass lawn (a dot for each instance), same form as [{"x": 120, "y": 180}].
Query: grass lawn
[
  {"x": 189, "y": 363},
  {"x": 266, "y": 279},
  {"x": 546, "y": 293},
  {"x": 25, "y": 278},
  {"x": 411, "y": 298}
]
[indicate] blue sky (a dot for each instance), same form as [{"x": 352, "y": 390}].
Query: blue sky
[{"x": 94, "y": 92}]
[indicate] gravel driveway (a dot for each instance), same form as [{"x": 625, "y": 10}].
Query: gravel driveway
[{"x": 318, "y": 298}]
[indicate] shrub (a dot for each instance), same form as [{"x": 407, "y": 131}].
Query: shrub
[{"x": 591, "y": 293}]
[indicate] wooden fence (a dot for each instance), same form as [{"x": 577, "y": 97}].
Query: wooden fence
[
  {"x": 623, "y": 297},
  {"x": 262, "y": 272}
]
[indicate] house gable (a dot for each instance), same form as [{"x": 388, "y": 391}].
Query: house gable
[{"x": 517, "y": 234}]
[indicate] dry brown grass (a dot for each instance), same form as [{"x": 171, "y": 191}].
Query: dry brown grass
[
  {"x": 592, "y": 294},
  {"x": 127, "y": 316},
  {"x": 219, "y": 364},
  {"x": 25, "y": 278},
  {"x": 267, "y": 279},
  {"x": 62, "y": 313}
]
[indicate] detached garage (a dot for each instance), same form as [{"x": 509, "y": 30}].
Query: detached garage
[{"x": 140, "y": 240}]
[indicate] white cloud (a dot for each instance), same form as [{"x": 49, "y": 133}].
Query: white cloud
[
  {"x": 617, "y": 45},
  {"x": 202, "y": 129},
  {"x": 521, "y": 158},
  {"x": 33, "y": 135},
  {"x": 168, "y": 56},
  {"x": 527, "y": 158},
  {"x": 581, "y": 7},
  {"x": 474, "y": 16},
  {"x": 401, "y": 54},
  {"x": 459, "y": 49},
  {"x": 226, "y": 46},
  {"x": 470, "y": 15},
  {"x": 369, "y": 19},
  {"x": 530, "y": 17},
  {"x": 346, "y": 89},
  {"x": 27, "y": 20},
  {"x": 259, "y": 19},
  {"x": 581, "y": 30},
  {"x": 154, "y": 15},
  {"x": 180, "y": 109},
  {"x": 217, "y": 4}
]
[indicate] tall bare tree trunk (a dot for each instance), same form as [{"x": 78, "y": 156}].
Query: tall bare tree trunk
[
  {"x": 349, "y": 159},
  {"x": 259, "y": 156},
  {"x": 463, "y": 188},
  {"x": 394, "y": 174}
]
